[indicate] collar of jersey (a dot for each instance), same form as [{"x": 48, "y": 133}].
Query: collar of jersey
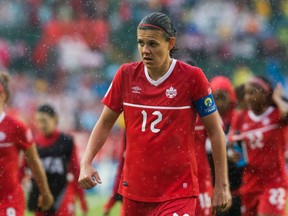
[
  {"x": 164, "y": 77},
  {"x": 2, "y": 116},
  {"x": 257, "y": 118}
]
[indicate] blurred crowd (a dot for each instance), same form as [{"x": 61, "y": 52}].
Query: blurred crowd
[{"x": 66, "y": 52}]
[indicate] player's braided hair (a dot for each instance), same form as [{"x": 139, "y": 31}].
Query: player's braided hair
[
  {"x": 159, "y": 21},
  {"x": 4, "y": 82}
]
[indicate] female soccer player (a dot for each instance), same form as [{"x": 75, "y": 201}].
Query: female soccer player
[
  {"x": 58, "y": 155},
  {"x": 160, "y": 98},
  {"x": 264, "y": 184},
  {"x": 15, "y": 136},
  {"x": 225, "y": 99}
]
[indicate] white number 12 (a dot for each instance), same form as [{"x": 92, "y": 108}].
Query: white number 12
[{"x": 153, "y": 124}]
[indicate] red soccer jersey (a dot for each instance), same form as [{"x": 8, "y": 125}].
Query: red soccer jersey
[
  {"x": 265, "y": 143},
  {"x": 159, "y": 117},
  {"x": 14, "y": 136}
]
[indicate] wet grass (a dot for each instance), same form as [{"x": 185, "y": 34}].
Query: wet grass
[
  {"x": 95, "y": 207},
  {"x": 96, "y": 204}
]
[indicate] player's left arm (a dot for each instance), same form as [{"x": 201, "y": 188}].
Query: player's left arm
[
  {"x": 221, "y": 199},
  {"x": 25, "y": 141},
  {"x": 46, "y": 199},
  {"x": 281, "y": 104}
]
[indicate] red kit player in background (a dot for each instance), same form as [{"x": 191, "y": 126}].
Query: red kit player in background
[
  {"x": 14, "y": 137},
  {"x": 264, "y": 183},
  {"x": 160, "y": 97},
  {"x": 225, "y": 99},
  {"x": 57, "y": 152}
]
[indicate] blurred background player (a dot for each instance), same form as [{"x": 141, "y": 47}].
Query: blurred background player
[
  {"x": 58, "y": 155},
  {"x": 225, "y": 99},
  {"x": 240, "y": 98},
  {"x": 14, "y": 137},
  {"x": 264, "y": 184}
]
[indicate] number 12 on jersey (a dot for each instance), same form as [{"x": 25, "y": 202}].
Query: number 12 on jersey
[{"x": 153, "y": 124}]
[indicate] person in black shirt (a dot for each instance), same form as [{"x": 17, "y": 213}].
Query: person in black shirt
[{"x": 58, "y": 155}]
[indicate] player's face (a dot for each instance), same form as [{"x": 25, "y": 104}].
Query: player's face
[
  {"x": 154, "y": 49},
  {"x": 45, "y": 123},
  {"x": 222, "y": 100},
  {"x": 255, "y": 97}
]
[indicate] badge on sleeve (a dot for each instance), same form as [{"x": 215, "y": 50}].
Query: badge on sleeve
[{"x": 205, "y": 106}]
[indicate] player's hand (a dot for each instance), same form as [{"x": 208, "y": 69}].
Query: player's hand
[
  {"x": 88, "y": 177},
  {"x": 45, "y": 201},
  {"x": 277, "y": 93},
  {"x": 233, "y": 156},
  {"x": 221, "y": 198}
]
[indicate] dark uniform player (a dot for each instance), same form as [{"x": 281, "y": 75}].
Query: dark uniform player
[{"x": 58, "y": 156}]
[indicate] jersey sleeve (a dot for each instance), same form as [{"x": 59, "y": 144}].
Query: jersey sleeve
[
  {"x": 202, "y": 97},
  {"x": 24, "y": 137},
  {"x": 113, "y": 97}
]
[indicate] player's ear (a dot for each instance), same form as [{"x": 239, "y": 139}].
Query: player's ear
[{"x": 172, "y": 42}]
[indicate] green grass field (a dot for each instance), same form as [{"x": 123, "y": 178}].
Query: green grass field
[{"x": 95, "y": 207}]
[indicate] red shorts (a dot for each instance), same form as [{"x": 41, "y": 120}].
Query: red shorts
[
  {"x": 270, "y": 201},
  {"x": 13, "y": 204},
  {"x": 176, "y": 207}
]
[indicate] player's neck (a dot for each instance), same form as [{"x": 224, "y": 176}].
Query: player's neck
[
  {"x": 157, "y": 73},
  {"x": 260, "y": 110}
]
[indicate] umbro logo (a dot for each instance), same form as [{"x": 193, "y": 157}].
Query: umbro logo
[
  {"x": 171, "y": 92},
  {"x": 136, "y": 89}
]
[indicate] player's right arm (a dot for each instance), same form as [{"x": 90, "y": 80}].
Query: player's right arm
[
  {"x": 46, "y": 199},
  {"x": 221, "y": 199},
  {"x": 97, "y": 139},
  {"x": 281, "y": 104}
]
